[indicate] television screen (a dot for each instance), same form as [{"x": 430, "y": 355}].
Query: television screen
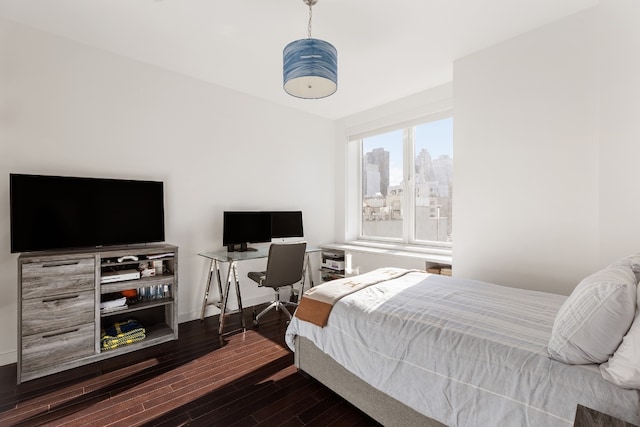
[
  {"x": 242, "y": 227},
  {"x": 286, "y": 224},
  {"x": 56, "y": 212}
]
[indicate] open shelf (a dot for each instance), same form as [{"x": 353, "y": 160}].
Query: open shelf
[
  {"x": 164, "y": 279},
  {"x": 141, "y": 305},
  {"x": 156, "y": 334}
]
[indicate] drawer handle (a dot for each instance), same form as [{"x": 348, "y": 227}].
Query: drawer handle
[
  {"x": 60, "y": 264},
  {"x": 60, "y": 298},
  {"x": 61, "y": 333}
]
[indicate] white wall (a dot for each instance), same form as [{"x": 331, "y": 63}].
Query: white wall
[
  {"x": 546, "y": 143},
  {"x": 526, "y": 158},
  {"x": 69, "y": 109},
  {"x": 619, "y": 129}
]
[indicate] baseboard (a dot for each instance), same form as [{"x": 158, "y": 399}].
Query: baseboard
[{"x": 8, "y": 358}]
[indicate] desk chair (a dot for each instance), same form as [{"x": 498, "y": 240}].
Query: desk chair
[{"x": 285, "y": 266}]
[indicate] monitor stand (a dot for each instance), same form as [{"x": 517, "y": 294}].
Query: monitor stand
[{"x": 243, "y": 248}]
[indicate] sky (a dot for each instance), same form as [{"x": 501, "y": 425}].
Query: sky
[{"x": 436, "y": 137}]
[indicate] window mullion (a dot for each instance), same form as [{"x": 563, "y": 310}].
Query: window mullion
[
  {"x": 409, "y": 185},
  {"x": 360, "y": 190}
]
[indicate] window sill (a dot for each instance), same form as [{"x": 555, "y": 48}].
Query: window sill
[{"x": 434, "y": 255}]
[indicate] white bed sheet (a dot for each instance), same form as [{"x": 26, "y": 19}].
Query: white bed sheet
[{"x": 463, "y": 352}]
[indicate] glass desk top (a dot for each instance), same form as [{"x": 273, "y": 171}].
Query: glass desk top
[{"x": 226, "y": 256}]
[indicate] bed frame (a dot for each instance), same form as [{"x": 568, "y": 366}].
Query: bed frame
[{"x": 379, "y": 406}]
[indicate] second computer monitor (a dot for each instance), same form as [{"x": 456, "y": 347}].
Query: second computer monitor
[{"x": 286, "y": 224}]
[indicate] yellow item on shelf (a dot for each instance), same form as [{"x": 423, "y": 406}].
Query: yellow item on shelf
[{"x": 122, "y": 333}]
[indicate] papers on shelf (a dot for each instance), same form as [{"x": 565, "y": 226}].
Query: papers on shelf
[
  {"x": 114, "y": 305},
  {"x": 111, "y": 310}
]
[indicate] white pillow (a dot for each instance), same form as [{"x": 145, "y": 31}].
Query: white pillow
[
  {"x": 631, "y": 261},
  {"x": 591, "y": 323},
  {"x": 623, "y": 368}
]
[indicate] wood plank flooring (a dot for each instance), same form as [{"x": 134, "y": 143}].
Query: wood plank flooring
[{"x": 202, "y": 379}]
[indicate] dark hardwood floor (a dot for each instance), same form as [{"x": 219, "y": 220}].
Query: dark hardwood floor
[{"x": 202, "y": 379}]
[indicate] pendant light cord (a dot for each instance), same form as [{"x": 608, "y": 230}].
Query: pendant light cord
[{"x": 310, "y": 15}]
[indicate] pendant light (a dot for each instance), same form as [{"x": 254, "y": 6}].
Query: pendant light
[{"x": 310, "y": 66}]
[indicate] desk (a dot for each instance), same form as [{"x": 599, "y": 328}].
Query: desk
[{"x": 232, "y": 259}]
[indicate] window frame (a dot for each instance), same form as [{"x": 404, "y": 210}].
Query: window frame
[{"x": 408, "y": 238}]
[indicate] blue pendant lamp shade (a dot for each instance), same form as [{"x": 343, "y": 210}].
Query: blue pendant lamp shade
[{"x": 310, "y": 68}]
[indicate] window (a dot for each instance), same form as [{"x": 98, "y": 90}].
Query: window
[{"x": 406, "y": 184}]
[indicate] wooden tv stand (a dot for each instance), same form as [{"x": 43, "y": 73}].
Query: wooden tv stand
[{"x": 59, "y": 295}]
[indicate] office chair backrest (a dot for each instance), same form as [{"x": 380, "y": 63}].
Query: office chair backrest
[{"x": 285, "y": 264}]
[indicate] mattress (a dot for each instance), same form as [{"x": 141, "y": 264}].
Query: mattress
[{"x": 463, "y": 352}]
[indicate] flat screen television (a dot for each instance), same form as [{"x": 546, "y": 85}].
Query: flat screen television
[
  {"x": 243, "y": 227},
  {"x": 60, "y": 212},
  {"x": 286, "y": 224}
]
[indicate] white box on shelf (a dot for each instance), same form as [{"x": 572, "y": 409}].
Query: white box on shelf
[
  {"x": 119, "y": 276},
  {"x": 334, "y": 265}
]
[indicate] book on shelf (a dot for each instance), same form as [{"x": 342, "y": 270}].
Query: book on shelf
[
  {"x": 439, "y": 269},
  {"x": 114, "y": 309},
  {"x": 116, "y": 302}
]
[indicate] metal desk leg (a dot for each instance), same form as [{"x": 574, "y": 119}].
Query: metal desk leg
[
  {"x": 205, "y": 301},
  {"x": 306, "y": 269},
  {"x": 214, "y": 267},
  {"x": 219, "y": 282},
  {"x": 310, "y": 271},
  {"x": 225, "y": 297},
  {"x": 232, "y": 274},
  {"x": 238, "y": 297}
]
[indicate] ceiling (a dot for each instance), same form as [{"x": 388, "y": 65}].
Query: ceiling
[{"x": 386, "y": 49}]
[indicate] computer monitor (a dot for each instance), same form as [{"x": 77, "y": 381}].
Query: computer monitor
[
  {"x": 242, "y": 227},
  {"x": 286, "y": 224}
]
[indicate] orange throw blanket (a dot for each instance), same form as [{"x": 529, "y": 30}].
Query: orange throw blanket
[{"x": 316, "y": 303}]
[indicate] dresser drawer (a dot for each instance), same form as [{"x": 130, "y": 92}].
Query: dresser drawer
[
  {"x": 53, "y": 348},
  {"x": 57, "y": 312},
  {"x": 45, "y": 279}
]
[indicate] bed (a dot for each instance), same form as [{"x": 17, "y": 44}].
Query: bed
[{"x": 412, "y": 348}]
